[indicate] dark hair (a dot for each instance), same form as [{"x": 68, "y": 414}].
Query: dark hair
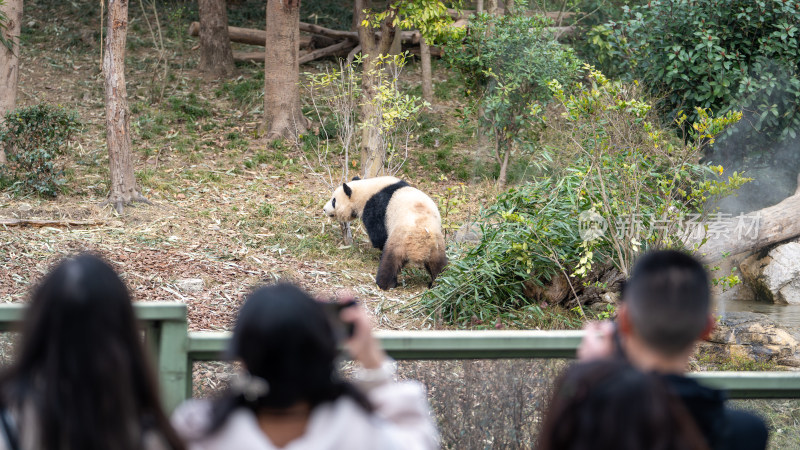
[
  {"x": 81, "y": 365},
  {"x": 283, "y": 336},
  {"x": 609, "y": 405},
  {"x": 668, "y": 298}
]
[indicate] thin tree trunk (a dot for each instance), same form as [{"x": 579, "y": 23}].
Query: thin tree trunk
[
  {"x": 123, "y": 182},
  {"x": 372, "y": 153},
  {"x": 282, "y": 114},
  {"x": 502, "y": 178},
  {"x": 479, "y": 7},
  {"x": 427, "y": 75},
  {"x": 494, "y": 7},
  {"x": 9, "y": 61},
  {"x": 216, "y": 56}
]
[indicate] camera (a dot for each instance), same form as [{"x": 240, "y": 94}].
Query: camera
[{"x": 341, "y": 330}]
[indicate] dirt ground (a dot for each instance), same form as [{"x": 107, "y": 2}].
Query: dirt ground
[{"x": 228, "y": 208}]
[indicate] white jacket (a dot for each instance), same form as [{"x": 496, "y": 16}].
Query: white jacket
[{"x": 402, "y": 420}]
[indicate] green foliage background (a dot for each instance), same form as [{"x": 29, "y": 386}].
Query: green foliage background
[{"x": 719, "y": 54}]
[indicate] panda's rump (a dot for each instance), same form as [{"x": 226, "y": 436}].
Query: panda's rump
[{"x": 414, "y": 226}]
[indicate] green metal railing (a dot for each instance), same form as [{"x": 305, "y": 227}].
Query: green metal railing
[{"x": 175, "y": 349}]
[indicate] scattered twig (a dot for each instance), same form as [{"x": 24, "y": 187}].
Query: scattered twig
[{"x": 49, "y": 223}]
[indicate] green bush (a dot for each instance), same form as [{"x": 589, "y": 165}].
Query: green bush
[
  {"x": 506, "y": 62},
  {"x": 617, "y": 165},
  {"x": 721, "y": 55},
  {"x": 33, "y": 138}
]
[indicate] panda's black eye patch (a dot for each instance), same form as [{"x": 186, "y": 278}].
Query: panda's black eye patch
[{"x": 333, "y": 203}]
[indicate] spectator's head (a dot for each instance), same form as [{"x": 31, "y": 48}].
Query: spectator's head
[
  {"x": 284, "y": 337},
  {"x": 666, "y": 302},
  {"x": 609, "y": 405},
  {"x": 81, "y": 364}
]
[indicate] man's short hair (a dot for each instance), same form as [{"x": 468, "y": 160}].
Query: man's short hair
[{"x": 668, "y": 300}]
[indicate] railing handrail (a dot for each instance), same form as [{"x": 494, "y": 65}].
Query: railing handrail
[
  {"x": 494, "y": 344},
  {"x": 12, "y": 314},
  {"x": 175, "y": 349}
]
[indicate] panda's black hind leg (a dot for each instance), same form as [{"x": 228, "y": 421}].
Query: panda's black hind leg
[
  {"x": 389, "y": 267},
  {"x": 435, "y": 266}
]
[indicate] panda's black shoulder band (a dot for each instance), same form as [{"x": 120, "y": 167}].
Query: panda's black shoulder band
[{"x": 374, "y": 215}]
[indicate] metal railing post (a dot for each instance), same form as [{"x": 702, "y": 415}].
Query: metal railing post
[{"x": 174, "y": 371}]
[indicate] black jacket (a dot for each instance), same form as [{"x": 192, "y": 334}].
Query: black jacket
[{"x": 724, "y": 428}]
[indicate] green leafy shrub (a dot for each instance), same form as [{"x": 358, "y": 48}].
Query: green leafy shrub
[
  {"x": 721, "y": 55},
  {"x": 33, "y": 138},
  {"x": 615, "y": 165},
  {"x": 506, "y": 62}
]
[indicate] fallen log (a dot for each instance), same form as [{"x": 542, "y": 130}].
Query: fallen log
[
  {"x": 335, "y": 34},
  {"x": 48, "y": 223},
  {"x": 405, "y": 36},
  {"x": 340, "y": 49},
  {"x": 772, "y": 225},
  {"x": 416, "y": 51},
  {"x": 334, "y": 49},
  {"x": 259, "y": 37},
  {"x": 247, "y": 35}
]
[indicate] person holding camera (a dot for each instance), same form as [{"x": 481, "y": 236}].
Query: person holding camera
[
  {"x": 289, "y": 393},
  {"x": 665, "y": 309}
]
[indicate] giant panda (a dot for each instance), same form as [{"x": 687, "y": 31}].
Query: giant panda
[{"x": 400, "y": 220}]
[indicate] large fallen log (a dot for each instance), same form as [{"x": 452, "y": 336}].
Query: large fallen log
[
  {"x": 405, "y": 36},
  {"x": 762, "y": 228},
  {"x": 259, "y": 37}
]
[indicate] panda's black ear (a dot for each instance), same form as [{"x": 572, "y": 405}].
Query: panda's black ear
[
  {"x": 356, "y": 178},
  {"x": 347, "y": 189}
]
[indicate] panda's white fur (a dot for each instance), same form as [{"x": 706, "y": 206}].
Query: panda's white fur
[{"x": 399, "y": 219}]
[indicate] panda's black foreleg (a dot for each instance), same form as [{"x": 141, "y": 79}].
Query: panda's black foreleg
[{"x": 388, "y": 268}]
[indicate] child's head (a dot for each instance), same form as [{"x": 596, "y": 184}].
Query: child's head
[{"x": 609, "y": 405}]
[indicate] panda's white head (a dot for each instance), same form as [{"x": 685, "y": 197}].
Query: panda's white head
[
  {"x": 340, "y": 206},
  {"x": 349, "y": 199}
]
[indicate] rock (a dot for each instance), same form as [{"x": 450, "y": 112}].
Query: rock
[
  {"x": 469, "y": 232},
  {"x": 754, "y": 336},
  {"x": 190, "y": 284},
  {"x": 776, "y": 277}
]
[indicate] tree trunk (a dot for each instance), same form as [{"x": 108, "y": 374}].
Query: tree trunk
[
  {"x": 9, "y": 61},
  {"x": 479, "y": 7},
  {"x": 495, "y": 7},
  {"x": 502, "y": 178},
  {"x": 372, "y": 46},
  {"x": 282, "y": 114},
  {"x": 427, "y": 75},
  {"x": 216, "y": 56},
  {"x": 123, "y": 182}
]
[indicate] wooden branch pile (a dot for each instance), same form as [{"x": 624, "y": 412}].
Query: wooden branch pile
[{"x": 320, "y": 42}]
